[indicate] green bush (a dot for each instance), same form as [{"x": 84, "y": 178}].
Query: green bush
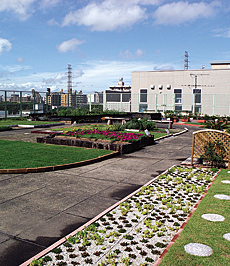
[
  {"x": 140, "y": 124},
  {"x": 214, "y": 153},
  {"x": 145, "y": 124},
  {"x": 5, "y": 128}
]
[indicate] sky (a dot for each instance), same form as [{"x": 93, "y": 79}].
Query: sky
[{"x": 104, "y": 40}]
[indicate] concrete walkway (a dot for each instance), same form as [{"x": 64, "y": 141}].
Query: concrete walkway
[{"x": 38, "y": 209}]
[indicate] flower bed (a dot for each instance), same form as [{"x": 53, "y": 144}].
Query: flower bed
[
  {"x": 138, "y": 229},
  {"x": 116, "y": 136}
]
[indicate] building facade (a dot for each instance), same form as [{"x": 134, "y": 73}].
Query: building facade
[
  {"x": 204, "y": 91},
  {"x": 118, "y": 97}
]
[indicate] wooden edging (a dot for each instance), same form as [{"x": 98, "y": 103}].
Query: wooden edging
[{"x": 58, "y": 167}]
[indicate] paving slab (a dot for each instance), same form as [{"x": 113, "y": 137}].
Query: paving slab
[
  {"x": 48, "y": 232},
  {"x": 91, "y": 207}
]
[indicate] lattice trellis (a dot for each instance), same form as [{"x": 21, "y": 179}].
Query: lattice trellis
[{"x": 201, "y": 137}]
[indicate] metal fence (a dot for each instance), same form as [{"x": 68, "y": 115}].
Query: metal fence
[{"x": 23, "y": 103}]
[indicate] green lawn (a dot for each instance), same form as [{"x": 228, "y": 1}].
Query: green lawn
[
  {"x": 199, "y": 230},
  {"x": 7, "y": 122},
  {"x": 17, "y": 154}
]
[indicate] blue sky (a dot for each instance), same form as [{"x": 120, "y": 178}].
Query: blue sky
[{"x": 104, "y": 40}]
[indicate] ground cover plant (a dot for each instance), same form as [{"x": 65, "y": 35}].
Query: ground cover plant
[
  {"x": 17, "y": 154},
  {"x": 137, "y": 231},
  {"x": 199, "y": 230}
]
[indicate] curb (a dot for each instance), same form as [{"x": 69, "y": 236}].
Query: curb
[
  {"x": 58, "y": 167},
  {"x": 173, "y": 135}
]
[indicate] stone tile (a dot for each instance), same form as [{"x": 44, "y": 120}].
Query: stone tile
[
  {"x": 50, "y": 231},
  {"x": 91, "y": 207}
]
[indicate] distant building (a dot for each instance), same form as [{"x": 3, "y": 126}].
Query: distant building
[
  {"x": 205, "y": 91},
  {"x": 118, "y": 97},
  {"x": 36, "y": 97},
  {"x": 26, "y": 98},
  {"x": 14, "y": 98},
  {"x": 81, "y": 99},
  {"x": 96, "y": 97}
]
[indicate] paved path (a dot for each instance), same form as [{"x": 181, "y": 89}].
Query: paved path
[{"x": 38, "y": 209}]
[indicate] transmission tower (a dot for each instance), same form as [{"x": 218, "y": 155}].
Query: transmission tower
[
  {"x": 69, "y": 82},
  {"x": 186, "y": 66}
]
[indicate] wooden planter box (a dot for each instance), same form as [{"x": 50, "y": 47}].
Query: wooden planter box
[
  {"x": 121, "y": 147},
  {"x": 184, "y": 119},
  {"x": 200, "y": 121}
]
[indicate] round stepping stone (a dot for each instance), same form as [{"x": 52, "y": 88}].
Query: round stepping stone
[
  {"x": 197, "y": 249},
  {"x": 213, "y": 217},
  {"x": 222, "y": 196},
  {"x": 226, "y": 181},
  {"x": 227, "y": 236}
]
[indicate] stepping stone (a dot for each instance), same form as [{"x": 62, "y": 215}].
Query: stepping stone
[
  {"x": 213, "y": 217},
  {"x": 197, "y": 249},
  {"x": 227, "y": 236},
  {"x": 222, "y": 196},
  {"x": 226, "y": 181}
]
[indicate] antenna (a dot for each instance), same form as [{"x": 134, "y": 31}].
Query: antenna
[
  {"x": 69, "y": 82},
  {"x": 186, "y": 66}
]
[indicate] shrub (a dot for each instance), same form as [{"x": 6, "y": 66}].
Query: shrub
[
  {"x": 140, "y": 124},
  {"x": 5, "y": 128},
  {"x": 214, "y": 153}
]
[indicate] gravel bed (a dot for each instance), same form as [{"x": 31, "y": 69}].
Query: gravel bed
[{"x": 138, "y": 230}]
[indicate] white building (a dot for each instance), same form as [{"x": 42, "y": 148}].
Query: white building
[
  {"x": 205, "y": 91},
  {"x": 118, "y": 97}
]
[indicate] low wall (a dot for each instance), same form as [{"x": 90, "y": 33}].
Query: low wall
[{"x": 121, "y": 147}]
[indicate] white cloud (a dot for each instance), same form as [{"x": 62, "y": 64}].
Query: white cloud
[
  {"x": 20, "y": 59},
  {"x": 4, "y": 45},
  {"x": 20, "y": 7},
  {"x": 222, "y": 33},
  {"x": 69, "y": 45},
  {"x": 180, "y": 12},
  {"x": 24, "y": 8},
  {"x": 48, "y": 3},
  {"x": 52, "y": 22},
  {"x": 61, "y": 78},
  {"x": 106, "y": 16},
  {"x": 139, "y": 53},
  {"x": 127, "y": 54}
]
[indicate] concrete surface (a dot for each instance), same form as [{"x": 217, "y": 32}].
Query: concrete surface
[{"x": 38, "y": 209}]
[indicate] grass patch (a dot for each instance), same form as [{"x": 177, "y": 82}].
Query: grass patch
[
  {"x": 11, "y": 122},
  {"x": 199, "y": 230},
  {"x": 17, "y": 154}
]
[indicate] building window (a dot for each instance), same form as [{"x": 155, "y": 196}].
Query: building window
[
  {"x": 178, "y": 99},
  {"x": 178, "y": 96},
  {"x": 143, "y": 107},
  {"x": 143, "y": 95},
  {"x": 197, "y": 99}
]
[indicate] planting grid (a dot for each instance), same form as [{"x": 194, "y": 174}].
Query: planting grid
[{"x": 137, "y": 231}]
